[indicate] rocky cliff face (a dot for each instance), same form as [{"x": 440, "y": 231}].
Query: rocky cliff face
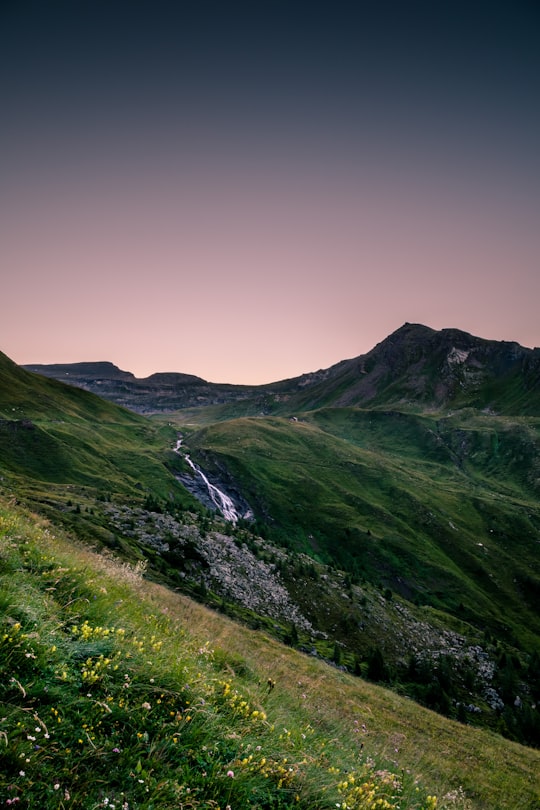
[{"x": 159, "y": 392}]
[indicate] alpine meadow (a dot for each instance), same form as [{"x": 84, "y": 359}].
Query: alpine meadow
[{"x": 321, "y": 592}]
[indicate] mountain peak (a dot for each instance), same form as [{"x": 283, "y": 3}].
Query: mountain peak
[{"x": 414, "y": 367}]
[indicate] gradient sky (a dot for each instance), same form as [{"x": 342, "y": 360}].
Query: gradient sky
[{"x": 248, "y": 192}]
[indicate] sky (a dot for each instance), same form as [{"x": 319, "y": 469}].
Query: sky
[{"x": 248, "y": 192}]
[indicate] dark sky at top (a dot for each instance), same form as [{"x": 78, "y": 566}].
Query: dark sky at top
[
  {"x": 436, "y": 70},
  {"x": 437, "y": 96}
]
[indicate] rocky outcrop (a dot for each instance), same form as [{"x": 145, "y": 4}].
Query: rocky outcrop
[{"x": 212, "y": 559}]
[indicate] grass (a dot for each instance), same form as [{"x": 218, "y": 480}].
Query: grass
[
  {"x": 445, "y": 509},
  {"x": 116, "y": 692},
  {"x": 51, "y": 433}
]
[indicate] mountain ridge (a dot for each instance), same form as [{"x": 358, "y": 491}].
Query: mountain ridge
[
  {"x": 415, "y": 366},
  {"x": 419, "y": 365}
]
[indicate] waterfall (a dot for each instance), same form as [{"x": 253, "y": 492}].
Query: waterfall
[{"x": 220, "y": 499}]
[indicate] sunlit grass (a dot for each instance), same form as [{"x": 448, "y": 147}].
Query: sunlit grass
[
  {"x": 108, "y": 702},
  {"x": 119, "y": 693}
]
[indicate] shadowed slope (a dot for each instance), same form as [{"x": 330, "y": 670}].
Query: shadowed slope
[{"x": 53, "y": 433}]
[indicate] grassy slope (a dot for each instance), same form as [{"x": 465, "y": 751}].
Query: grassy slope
[
  {"x": 55, "y": 438},
  {"x": 115, "y": 690},
  {"x": 336, "y": 474},
  {"x": 445, "y": 510}
]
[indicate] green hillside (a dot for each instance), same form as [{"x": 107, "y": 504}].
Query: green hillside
[
  {"x": 440, "y": 511},
  {"x": 443, "y": 510},
  {"x": 119, "y": 693},
  {"x": 397, "y": 543},
  {"x": 56, "y": 440}
]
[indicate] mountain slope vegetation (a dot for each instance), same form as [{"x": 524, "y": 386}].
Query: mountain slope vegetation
[
  {"x": 433, "y": 503},
  {"x": 54, "y": 436},
  {"x": 385, "y": 495},
  {"x": 117, "y": 692},
  {"x": 392, "y": 518}
]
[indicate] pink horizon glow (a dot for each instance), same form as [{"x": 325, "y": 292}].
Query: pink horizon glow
[{"x": 241, "y": 204}]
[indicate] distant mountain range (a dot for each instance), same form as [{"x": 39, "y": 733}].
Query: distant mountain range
[{"x": 415, "y": 367}]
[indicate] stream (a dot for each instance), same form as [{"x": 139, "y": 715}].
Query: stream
[{"x": 220, "y": 499}]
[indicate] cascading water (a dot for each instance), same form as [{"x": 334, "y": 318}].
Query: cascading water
[{"x": 220, "y": 499}]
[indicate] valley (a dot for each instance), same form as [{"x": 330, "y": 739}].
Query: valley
[{"x": 381, "y": 516}]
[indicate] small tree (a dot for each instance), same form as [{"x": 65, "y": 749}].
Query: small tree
[{"x": 377, "y": 669}]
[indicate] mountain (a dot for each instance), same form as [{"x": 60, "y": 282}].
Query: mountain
[
  {"x": 393, "y": 506},
  {"x": 415, "y": 367}
]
